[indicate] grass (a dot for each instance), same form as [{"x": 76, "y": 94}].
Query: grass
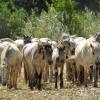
[{"x": 69, "y": 92}]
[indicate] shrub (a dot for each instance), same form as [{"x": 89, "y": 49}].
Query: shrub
[
  {"x": 16, "y": 22},
  {"x": 47, "y": 25},
  {"x": 4, "y": 15}
]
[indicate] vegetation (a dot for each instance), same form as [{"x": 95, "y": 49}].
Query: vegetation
[{"x": 48, "y": 18}]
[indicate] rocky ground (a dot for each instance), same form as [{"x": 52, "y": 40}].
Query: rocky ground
[{"x": 70, "y": 92}]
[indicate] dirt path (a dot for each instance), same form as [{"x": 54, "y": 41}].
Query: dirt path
[{"x": 70, "y": 92}]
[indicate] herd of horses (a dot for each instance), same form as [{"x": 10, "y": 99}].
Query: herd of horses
[{"x": 42, "y": 59}]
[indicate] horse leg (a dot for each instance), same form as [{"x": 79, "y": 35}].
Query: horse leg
[
  {"x": 15, "y": 78},
  {"x": 56, "y": 75},
  {"x": 99, "y": 71},
  {"x": 30, "y": 82},
  {"x": 46, "y": 73},
  {"x": 61, "y": 80},
  {"x": 78, "y": 72},
  {"x": 39, "y": 80},
  {"x": 82, "y": 75},
  {"x": 25, "y": 74},
  {"x": 95, "y": 75},
  {"x": 61, "y": 76},
  {"x": 9, "y": 83},
  {"x": 73, "y": 73},
  {"x": 68, "y": 71},
  {"x": 9, "y": 80},
  {"x": 51, "y": 73},
  {"x": 85, "y": 76},
  {"x": 35, "y": 79},
  {"x": 91, "y": 73}
]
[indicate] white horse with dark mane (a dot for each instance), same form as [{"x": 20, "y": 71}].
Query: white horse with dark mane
[{"x": 36, "y": 56}]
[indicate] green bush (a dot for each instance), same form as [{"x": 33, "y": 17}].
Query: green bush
[
  {"x": 4, "y": 15},
  {"x": 85, "y": 23},
  {"x": 82, "y": 23},
  {"x": 16, "y": 22},
  {"x": 62, "y": 16},
  {"x": 53, "y": 23},
  {"x": 91, "y": 22},
  {"x": 47, "y": 25}
]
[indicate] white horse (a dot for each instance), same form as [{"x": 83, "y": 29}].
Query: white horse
[
  {"x": 36, "y": 56},
  {"x": 86, "y": 54},
  {"x": 11, "y": 59}
]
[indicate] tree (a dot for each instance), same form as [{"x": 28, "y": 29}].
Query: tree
[
  {"x": 93, "y": 5},
  {"x": 37, "y": 5},
  {"x": 4, "y": 15},
  {"x": 68, "y": 10}
]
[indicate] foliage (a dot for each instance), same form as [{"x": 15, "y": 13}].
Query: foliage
[
  {"x": 37, "y": 5},
  {"x": 91, "y": 23},
  {"x": 67, "y": 9},
  {"x": 82, "y": 23},
  {"x": 47, "y": 25},
  {"x": 4, "y": 15},
  {"x": 16, "y": 22},
  {"x": 11, "y": 20},
  {"x": 93, "y": 5},
  {"x": 18, "y": 17}
]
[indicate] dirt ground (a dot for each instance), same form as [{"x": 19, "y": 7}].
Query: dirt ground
[{"x": 70, "y": 92}]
